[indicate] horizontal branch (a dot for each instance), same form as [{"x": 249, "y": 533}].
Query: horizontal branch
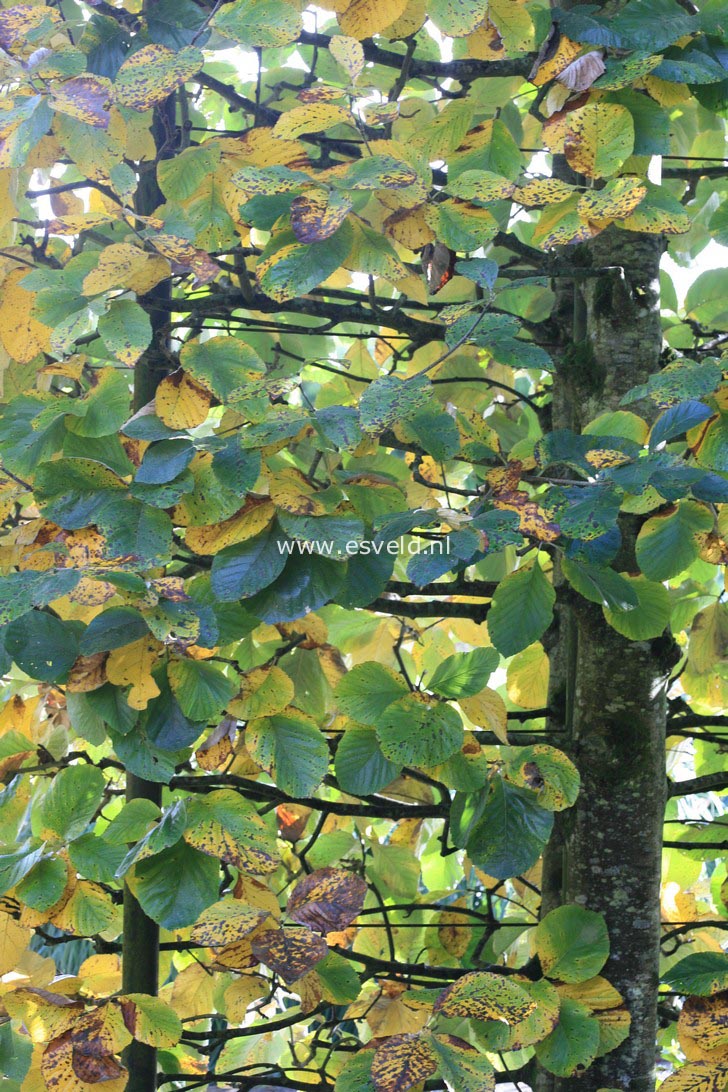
[
  {"x": 464, "y": 70},
  {"x": 438, "y": 609},
  {"x": 713, "y": 782},
  {"x": 689, "y": 926},
  {"x": 421, "y": 970},
  {"x": 257, "y": 790},
  {"x": 484, "y": 589}
]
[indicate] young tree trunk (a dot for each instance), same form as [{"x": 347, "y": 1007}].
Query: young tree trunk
[
  {"x": 608, "y": 693},
  {"x": 140, "y": 938}
]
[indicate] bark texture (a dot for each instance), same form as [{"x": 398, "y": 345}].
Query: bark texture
[{"x": 608, "y": 693}]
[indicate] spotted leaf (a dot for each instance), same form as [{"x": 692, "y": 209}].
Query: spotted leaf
[
  {"x": 291, "y": 952},
  {"x": 327, "y": 900}
]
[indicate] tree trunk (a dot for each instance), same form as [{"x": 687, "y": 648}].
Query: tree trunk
[
  {"x": 140, "y": 939},
  {"x": 608, "y": 693}
]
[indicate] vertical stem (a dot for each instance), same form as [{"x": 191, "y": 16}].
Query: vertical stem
[
  {"x": 140, "y": 940},
  {"x": 140, "y": 966},
  {"x": 607, "y": 692}
]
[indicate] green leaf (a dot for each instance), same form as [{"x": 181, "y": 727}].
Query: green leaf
[
  {"x": 71, "y": 801},
  {"x": 291, "y": 749},
  {"x": 603, "y": 586},
  {"x": 412, "y": 732},
  {"x": 574, "y": 1042},
  {"x": 111, "y": 629},
  {"x": 462, "y": 1067},
  {"x": 701, "y": 974},
  {"x": 356, "y": 1076},
  {"x": 668, "y": 543},
  {"x": 503, "y": 828},
  {"x": 465, "y": 673},
  {"x": 242, "y": 570},
  {"x": 223, "y": 364},
  {"x": 126, "y": 331},
  {"x": 548, "y": 772},
  {"x": 19, "y": 592},
  {"x": 132, "y": 822},
  {"x": 651, "y": 615},
  {"x": 14, "y": 866},
  {"x": 572, "y": 944},
  {"x": 44, "y": 884},
  {"x": 174, "y": 887},
  {"x": 224, "y": 825},
  {"x": 340, "y": 983},
  {"x": 678, "y": 420},
  {"x": 163, "y": 461},
  {"x": 260, "y": 23},
  {"x": 680, "y": 380},
  {"x": 391, "y": 400},
  {"x": 95, "y": 857},
  {"x": 77, "y": 492},
  {"x": 287, "y": 268},
  {"x": 201, "y": 688},
  {"x": 42, "y": 645},
  {"x": 361, "y": 768},
  {"x": 150, "y": 1020},
  {"x": 305, "y": 584},
  {"x": 521, "y": 610},
  {"x": 366, "y": 691},
  {"x": 181, "y": 175}
]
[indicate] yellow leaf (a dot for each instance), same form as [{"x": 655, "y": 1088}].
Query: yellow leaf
[
  {"x": 528, "y": 678},
  {"x": 218, "y": 746},
  {"x": 132, "y": 665},
  {"x": 409, "y": 22},
  {"x": 18, "y": 714},
  {"x": 313, "y": 118},
  {"x": 487, "y": 710},
  {"x": 86, "y": 1053},
  {"x": 122, "y": 265},
  {"x": 193, "y": 991},
  {"x": 401, "y": 1062},
  {"x": 85, "y": 97},
  {"x": 44, "y": 1014},
  {"x": 596, "y": 992},
  {"x": 615, "y": 202},
  {"x": 349, "y": 53},
  {"x": 22, "y": 336},
  {"x": 241, "y": 994},
  {"x": 226, "y": 923},
  {"x": 263, "y": 693},
  {"x": 705, "y": 1019},
  {"x": 513, "y": 23},
  {"x": 598, "y": 138},
  {"x": 454, "y": 930},
  {"x": 14, "y": 939},
  {"x": 148, "y": 76},
  {"x": 665, "y": 92},
  {"x": 100, "y": 975},
  {"x": 180, "y": 402},
  {"x": 363, "y": 18},
  {"x": 543, "y": 191},
  {"x": 290, "y": 491},
  {"x": 253, "y": 518},
  {"x": 566, "y": 52}
]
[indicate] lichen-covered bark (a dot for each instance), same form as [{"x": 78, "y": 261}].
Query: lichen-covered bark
[{"x": 608, "y": 693}]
